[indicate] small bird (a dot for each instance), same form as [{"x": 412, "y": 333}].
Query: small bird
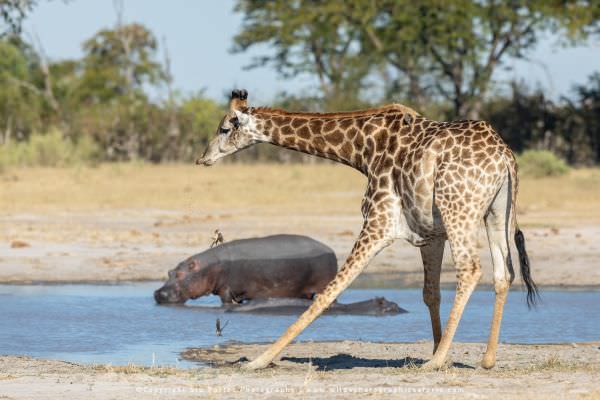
[
  {"x": 217, "y": 238},
  {"x": 219, "y": 328}
]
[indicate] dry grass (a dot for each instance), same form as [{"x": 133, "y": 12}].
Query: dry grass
[
  {"x": 304, "y": 188},
  {"x": 576, "y": 193},
  {"x": 321, "y": 189},
  {"x": 133, "y": 369}
]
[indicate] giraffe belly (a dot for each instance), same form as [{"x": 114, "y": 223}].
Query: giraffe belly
[
  {"x": 417, "y": 232},
  {"x": 420, "y": 217},
  {"x": 419, "y": 226}
]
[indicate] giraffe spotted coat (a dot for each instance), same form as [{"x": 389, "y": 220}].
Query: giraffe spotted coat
[{"x": 427, "y": 182}]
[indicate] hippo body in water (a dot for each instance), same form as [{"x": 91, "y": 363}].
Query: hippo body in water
[
  {"x": 378, "y": 306},
  {"x": 259, "y": 268}
]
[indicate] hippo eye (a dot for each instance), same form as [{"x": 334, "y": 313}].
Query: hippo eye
[{"x": 224, "y": 130}]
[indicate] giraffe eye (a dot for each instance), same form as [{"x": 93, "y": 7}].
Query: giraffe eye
[{"x": 224, "y": 130}]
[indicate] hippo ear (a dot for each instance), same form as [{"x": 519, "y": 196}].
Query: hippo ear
[{"x": 194, "y": 266}]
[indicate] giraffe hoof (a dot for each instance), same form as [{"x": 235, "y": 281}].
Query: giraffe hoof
[
  {"x": 253, "y": 365},
  {"x": 432, "y": 365},
  {"x": 488, "y": 362}
]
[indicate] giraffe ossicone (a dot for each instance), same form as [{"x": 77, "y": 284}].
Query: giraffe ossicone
[{"x": 427, "y": 182}]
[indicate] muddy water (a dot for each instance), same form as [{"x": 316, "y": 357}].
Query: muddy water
[{"x": 121, "y": 324}]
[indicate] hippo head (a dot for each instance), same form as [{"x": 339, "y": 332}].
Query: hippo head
[
  {"x": 189, "y": 280},
  {"x": 384, "y": 306}
]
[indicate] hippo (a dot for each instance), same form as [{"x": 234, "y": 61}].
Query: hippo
[
  {"x": 378, "y": 306},
  {"x": 291, "y": 266}
]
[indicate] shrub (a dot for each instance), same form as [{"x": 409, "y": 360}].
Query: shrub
[
  {"x": 541, "y": 163},
  {"x": 49, "y": 150}
]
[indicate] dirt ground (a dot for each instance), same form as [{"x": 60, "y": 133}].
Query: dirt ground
[
  {"x": 333, "y": 370},
  {"x": 121, "y": 245}
]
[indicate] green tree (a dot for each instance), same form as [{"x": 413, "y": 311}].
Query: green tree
[
  {"x": 468, "y": 40},
  {"x": 582, "y": 122},
  {"x": 434, "y": 49},
  {"x": 390, "y": 36},
  {"x": 12, "y": 13},
  {"x": 117, "y": 65},
  {"x": 19, "y": 102},
  {"x": 308, "y": 37},
  {"x": 200, "y": 116},
  {"x": 526, "y": 119},
  {"x": 569, "y": 128},
  {"x": 454, "y": 47},
  {"x": 119, "y": 62}
]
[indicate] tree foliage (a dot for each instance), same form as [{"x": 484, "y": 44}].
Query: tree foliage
[
  {"x": 119, "y": 62},
  {"x": 19, "y": 100},
  {"x": 102, "y": 97},
  {"x": 569, "y": 128},
  {"x": 308, "y": 37},
  {"x": 12, "y": 13},
  {"x": 422, "y": 50}
]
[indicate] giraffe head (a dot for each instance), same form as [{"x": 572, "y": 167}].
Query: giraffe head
[{"x": 236, "y": 131}]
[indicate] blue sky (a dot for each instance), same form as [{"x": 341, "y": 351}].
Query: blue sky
[{"x": 199, "y": 36}]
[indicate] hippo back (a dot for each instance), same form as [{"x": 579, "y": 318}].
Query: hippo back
[{"x": 269, "y": 248}]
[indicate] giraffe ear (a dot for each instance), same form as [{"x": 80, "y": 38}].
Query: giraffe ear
[{"x": 242, "y": 117}]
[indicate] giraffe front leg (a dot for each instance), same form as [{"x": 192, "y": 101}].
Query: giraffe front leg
[{"x": 365, "y": 248}]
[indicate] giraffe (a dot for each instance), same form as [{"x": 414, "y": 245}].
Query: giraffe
[{"x": 427, "y": 182}]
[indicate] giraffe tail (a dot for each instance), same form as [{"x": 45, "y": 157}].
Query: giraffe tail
[{"x": 532, "y": 290}]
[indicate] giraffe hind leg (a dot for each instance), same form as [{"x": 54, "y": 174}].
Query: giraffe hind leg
[
  {"x": 432, "y": 255},
  {"x": 498, "y": 228},
  {"x": 468, "y": 270},
  {"x": 461, "y": 216}
]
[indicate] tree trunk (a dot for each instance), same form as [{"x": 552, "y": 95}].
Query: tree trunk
[
  {"x": 415, "y": 91},
  {"x": 7, "y": 131},
  {"x": 474, "y": 111}
]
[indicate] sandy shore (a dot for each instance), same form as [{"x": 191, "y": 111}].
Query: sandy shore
[
  {"x": 121, "y": 245},
  {"x": 333, "y": 370}
]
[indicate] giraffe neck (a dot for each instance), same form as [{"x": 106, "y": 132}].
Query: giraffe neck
[{"x": 352, "y": 138}]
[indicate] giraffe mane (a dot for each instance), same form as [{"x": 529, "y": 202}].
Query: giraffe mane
[{"x": 356, "y": 113}]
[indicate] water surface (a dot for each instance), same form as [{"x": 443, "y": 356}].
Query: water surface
[{"x": 121, "y": 324}]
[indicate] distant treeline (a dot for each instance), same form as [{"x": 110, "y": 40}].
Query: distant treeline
[{"x": 118, "y": 103}]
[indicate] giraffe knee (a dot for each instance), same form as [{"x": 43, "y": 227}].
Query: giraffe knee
[
  {"x": 469, "y": 270},
  {"x": 502, "y": 285}
]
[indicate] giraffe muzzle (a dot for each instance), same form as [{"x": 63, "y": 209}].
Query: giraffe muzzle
[{"x": 205, "y": 162}]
